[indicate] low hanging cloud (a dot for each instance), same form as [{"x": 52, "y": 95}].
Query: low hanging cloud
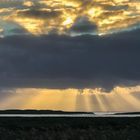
[{"x": 59, "y": 61}]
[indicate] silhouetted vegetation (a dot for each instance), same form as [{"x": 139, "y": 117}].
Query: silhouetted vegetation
[
  {"x": 69, "y": 128},
  {"x": 128, "y": 113},
  {"x": 39, "y": 112}
]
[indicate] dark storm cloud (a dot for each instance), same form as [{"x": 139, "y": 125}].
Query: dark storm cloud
[
  {"x": 39, "y": 13},
  {"x": 10, "y": 4},
  {"x": 83, "y": 25},
  {"x": 112, "y": 8},
  {"x": 70, "y": 62}
]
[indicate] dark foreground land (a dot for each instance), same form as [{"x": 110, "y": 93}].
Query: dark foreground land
[{"x": 69, "y": 128}]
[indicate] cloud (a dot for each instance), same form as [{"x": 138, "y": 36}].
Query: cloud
[
  {"x": 83, "y": 25},
  {"x": 71, "y": 99},
  {"x": 43, "y": 17},
  {"x": 58, "y": 61},
  {"x": 39, "y": 13}
]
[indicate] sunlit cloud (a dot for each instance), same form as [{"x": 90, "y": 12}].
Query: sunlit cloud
[
  {"x": 58, "y": 16},
  {"x": 119, "y": 99},
  {"x": 28, "y": 3},
  {"x": 42, "y": 47},
  {"x": 1, "y": 33}
]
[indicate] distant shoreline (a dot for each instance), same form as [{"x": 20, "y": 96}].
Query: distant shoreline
[
  {"x": 52, "y": 113},
  {"x": 69, "y": 115}
]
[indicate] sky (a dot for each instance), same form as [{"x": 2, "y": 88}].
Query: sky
[{"x": 70, "y": 55}]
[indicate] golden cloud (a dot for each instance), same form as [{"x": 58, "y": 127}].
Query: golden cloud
[
  {"x": 119, "y": 99},
  {"x": 46, "y": 16}
]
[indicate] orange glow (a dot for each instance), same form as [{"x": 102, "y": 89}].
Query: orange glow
[
  {"x": 108, "y": 16},
  {"x": 119, "y": 99}
]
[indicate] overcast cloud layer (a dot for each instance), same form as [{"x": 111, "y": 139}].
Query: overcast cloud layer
[{"x": 58, "y": 61}]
